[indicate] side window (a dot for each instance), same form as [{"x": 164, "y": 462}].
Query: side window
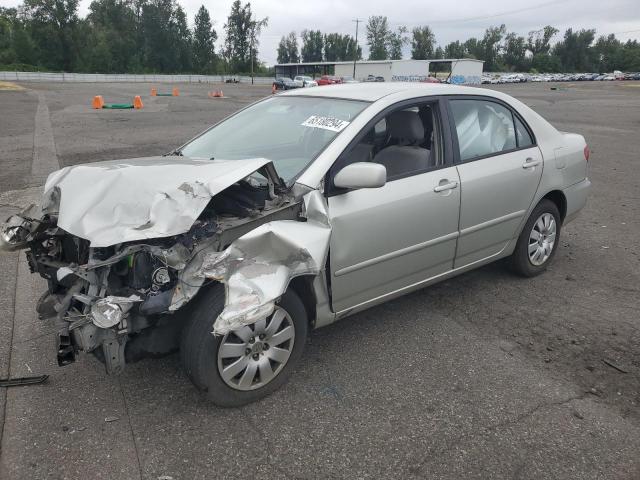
[
  {"x": 523, "y": 135},
  {"x": 483, "y": 128},
  {"x": 407, "y": 141}
]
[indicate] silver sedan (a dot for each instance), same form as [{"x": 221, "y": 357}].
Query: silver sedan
[{"x": 296, "y": 211}]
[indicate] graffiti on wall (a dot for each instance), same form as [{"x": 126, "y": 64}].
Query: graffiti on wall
[
  {"x": 455, "y": 79},
  {"x": 465, "y": 80}
]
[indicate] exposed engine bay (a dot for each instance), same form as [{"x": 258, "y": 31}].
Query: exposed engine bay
[{"x": 124, "y": 301}]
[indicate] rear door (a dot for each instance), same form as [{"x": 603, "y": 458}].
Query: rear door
[{"x": 500, "y": 168}]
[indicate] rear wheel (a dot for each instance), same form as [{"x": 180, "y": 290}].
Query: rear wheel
[
  {"x": 538, "y": 241},
  {"x": 249, "y": 363}
]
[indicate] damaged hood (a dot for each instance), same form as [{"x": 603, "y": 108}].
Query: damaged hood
[{"x": 142, "y": 198}]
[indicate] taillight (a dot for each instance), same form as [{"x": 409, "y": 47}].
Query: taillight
[{"x": 587, "y": 152}]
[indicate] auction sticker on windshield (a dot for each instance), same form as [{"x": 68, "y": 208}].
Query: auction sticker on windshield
[{"x": 326, "y": 123}]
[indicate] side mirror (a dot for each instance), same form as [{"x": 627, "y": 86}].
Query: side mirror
[{"x": 361, "y": 175}]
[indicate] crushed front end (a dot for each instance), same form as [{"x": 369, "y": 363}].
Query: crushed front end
[{"x": 125, "y": 301}]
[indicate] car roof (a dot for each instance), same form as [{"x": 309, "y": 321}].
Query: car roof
[{"x": 372, "y": 92}]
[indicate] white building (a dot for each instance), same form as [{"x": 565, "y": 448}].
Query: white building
[
  {"x": 463, "y": 71},
  {"x": 459, "y": 71}
]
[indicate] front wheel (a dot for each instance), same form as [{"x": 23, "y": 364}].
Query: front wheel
[
  {"x": 249, "y": 363},
  {"x": 538, "y": 241}
]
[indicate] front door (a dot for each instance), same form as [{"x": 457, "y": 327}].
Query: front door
[{"x": 387, "y": 239}]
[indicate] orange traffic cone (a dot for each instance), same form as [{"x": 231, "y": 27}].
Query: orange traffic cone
[
  {"x": 137, "y": 102},
  {"x": 175, "y": 92},
  {"x": 154, "y": 92},
  {"x": 98, "y": 102},
  {"x": 273, "y": 89}
]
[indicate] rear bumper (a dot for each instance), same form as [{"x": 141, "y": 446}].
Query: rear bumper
[{"x": 576, "y": 196}]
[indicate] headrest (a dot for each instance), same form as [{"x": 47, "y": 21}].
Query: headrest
[{"x": 406, "y": 127}]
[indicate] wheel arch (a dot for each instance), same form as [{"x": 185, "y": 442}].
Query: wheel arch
[
  {"x": 558, "y": 197},
  {"x": 303, "y": 287}
]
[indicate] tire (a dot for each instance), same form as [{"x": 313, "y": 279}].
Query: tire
[
  {"x": 201, "y": 352},
  {"x": 531, "y": 264}
]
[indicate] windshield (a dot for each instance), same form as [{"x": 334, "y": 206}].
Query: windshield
[{"x": 289, "y": 131}]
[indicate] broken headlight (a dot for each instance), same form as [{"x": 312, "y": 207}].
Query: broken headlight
[
  {"x": 14, "y": 233},
  {"x": 110, "y": 311}
]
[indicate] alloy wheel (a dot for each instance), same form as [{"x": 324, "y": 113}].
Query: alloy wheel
[
  {"x": 252, "y": 356},
  {"x": 542, "y": 239}
]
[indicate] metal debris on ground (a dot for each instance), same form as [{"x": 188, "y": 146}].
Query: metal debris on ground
[
  {"x": 20, "y": 381},
  {"x": 614, "y": 366}
]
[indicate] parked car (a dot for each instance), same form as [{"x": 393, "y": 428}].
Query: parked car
[
  {"x": 374, "y": 78},
  {"x": 295, "y": 212},
  {"x": 284, "y": 83},
  {"x": 304, "y": 81},
  {"x": 329, "y": 80},
  {"x": 349, "y": 79}
]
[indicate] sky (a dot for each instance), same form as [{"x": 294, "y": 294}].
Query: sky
[{"x": 450, "y": 20}]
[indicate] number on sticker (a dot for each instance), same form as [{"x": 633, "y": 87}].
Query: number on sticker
[{"x": 326, "y": 123}]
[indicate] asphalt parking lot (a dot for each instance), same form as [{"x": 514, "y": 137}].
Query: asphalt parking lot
[{"x": 486, "y": 375}]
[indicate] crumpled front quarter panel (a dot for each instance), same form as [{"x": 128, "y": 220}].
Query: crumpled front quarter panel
[{"x": 257, "y": 267}]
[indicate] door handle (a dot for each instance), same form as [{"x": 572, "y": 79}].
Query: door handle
[
  {"x": 445, "y": 186},
  {"x": 530, "y": 163}
]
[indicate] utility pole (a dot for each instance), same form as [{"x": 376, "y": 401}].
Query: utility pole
[{"x": 355, "y": 50}]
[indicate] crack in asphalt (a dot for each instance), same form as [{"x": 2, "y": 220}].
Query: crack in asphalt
[
  {"x": 13, "y": 328},
  {"x": 133, "y": 435},
  {"x": 532, "y": 411},
  {"x": 490, "y": 428}
]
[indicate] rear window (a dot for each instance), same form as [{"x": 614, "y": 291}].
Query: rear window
[{"x": 483, "y": 128}]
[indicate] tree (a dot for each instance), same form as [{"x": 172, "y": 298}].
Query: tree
[
  {"x": 53, "y": 25},
  {"x": 288, "y": 49},
  {"x": 241, "y": 42},
  {"x": 111, "y": 30},
  {"x": 7, "y": 34},
  {"x": 378, "y": 37},
  {"x": 574, "y": 51},
  {"x": 396, "y": 41},
  {"x": 454, "y": 50},
  {"x": 473, "y": 48},
  {"x": 609, "y": 53},
  {"x": 23, "y": 46},
  {"x": 491, "y": 46},
  {"x": 515, "y": 52},
  {"x": 204, "y": 37},
  {"x": 339, "y": 48},
  {"x": 291, "y": 43},
  {"x": 545, "y": 63},
  {"x": 423, "y": 43},
  {"x": 353, "y": 51},
  {"x": 283, "y": 52},
  {"x": 333, "y": 47},
  {"x": 630, "y": 60},
  {"x": 439, "y": 53},
  {"x": 312, "y": 45},
  {"x": 539, "y": 41}
]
